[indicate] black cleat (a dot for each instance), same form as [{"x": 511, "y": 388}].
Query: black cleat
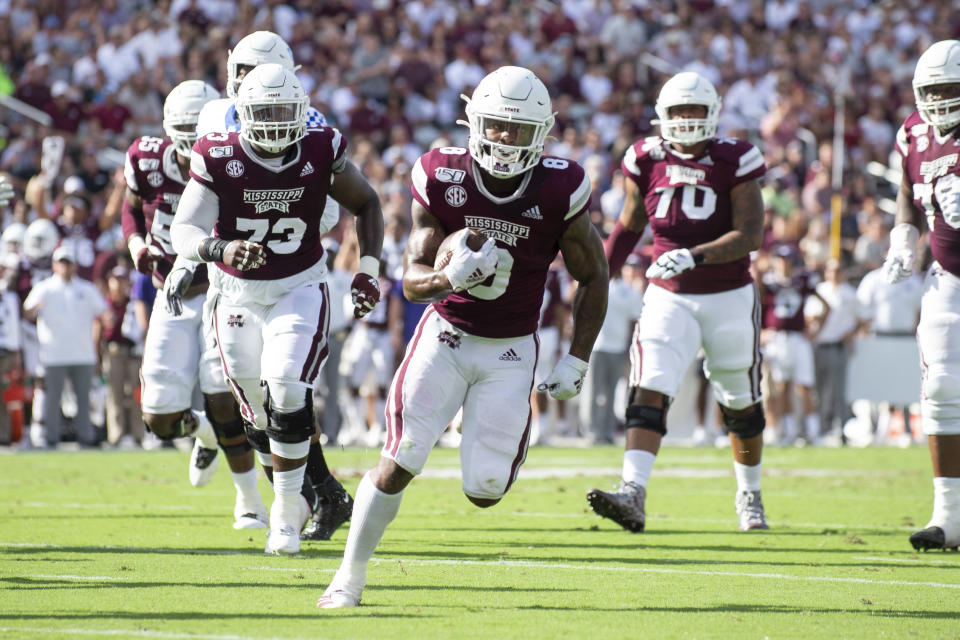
[
  {"x": 930, "y": 538},
  {"x": 334, "y": 509},
  {"x": 625, "y": 506}
]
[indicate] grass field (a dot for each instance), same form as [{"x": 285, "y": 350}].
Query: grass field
[{"x": 117, "y": 544}]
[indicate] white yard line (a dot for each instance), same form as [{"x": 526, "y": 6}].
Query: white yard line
[
  {"x": 134, "y": 633},
  {"x": 67, "y": 576}
]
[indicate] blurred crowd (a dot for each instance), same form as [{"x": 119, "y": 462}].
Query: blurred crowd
[{"x": 390, "y": 74}]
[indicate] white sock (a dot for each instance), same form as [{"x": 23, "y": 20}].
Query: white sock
[
  {"x": 748, "y": 478},
  {"x": 204, "y": 431},
  {"x": 246, "y": 484},
  {"x": 373, "y": 510},
  {"x": 946, "y": 505},
  {"x": 811, "y": 422},
  {"x": 286, "y": 492},
  {"x": 637, "y": 465}
]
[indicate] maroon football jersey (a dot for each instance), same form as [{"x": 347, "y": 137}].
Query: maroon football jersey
[
  {"x": 783, "y": 301},
  {"x": 931, "y": 164},
  {"x": 278, "y": 207},
  {"x": 688, "y": 203},
  {"x": 152, "y": 173},
  {"x": 527, "y": 229}
]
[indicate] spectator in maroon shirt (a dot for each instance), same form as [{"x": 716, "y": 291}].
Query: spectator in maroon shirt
[
  {"x": 66, "y": 114},
  {"x": 34, "y": 87},
  {"x": 111, "y": 115},
  {"x": 556, "y": 23}
]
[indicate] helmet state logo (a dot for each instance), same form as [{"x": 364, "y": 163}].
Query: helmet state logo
[
  {"x": 456, "y": 196},
  {"x": 234, "y": 168}
]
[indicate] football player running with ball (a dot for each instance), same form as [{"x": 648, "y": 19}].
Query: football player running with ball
[
  {"x": 701, "y": 196},
  {"x": 253, "y": 208},
  {"x": 930, "y": 188},
  {"x": 476, "y": 346}
]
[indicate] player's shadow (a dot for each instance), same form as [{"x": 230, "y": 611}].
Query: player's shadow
[
  {"x": 758, "y": 609},
  {"x": 167, "y": 616}
]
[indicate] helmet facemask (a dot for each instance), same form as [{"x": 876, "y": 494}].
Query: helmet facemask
[
  {"x": 505, "y": 160},
  {"x": 272, "y": 124},
  {"x": 181, "y": 112},
  {"x": 940, "y": 112},
  {"x": 687, "y": 88},
  {"x": 183, "y": 133}
]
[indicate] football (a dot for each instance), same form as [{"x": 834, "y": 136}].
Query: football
[{"x": 475, "y": 240}]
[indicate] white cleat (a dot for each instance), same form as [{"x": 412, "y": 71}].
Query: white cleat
[
  {"x": 283, "y": 537},
  {"x": 337, "y": 599},
  {"x": 203, "y": 464},
  {"x": 250, "y": 515}
]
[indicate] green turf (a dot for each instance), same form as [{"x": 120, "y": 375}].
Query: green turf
[{"x": 107, "y": 544}]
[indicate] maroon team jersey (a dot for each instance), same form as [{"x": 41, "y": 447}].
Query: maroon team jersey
[
  {"x": 152, "y": 174},
  {"x": 931, "y": 164},
  {"x": 527, "y": 229},
  {"x": 783, "y": 301},
  {"x": 688, "y": 203},
  {"x": 277, "y": 207}
]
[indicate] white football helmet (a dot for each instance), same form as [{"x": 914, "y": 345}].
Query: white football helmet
[
  {"x": 40, "y": 239},
  {"x": 12, "y": 237},
  {"x": 272, "y": 106},
  {"x": 514, "y": 99},
  {"x": 181, "y": 110},
  {"x": 687, "y": 88},
  {"x": 259, "y": 47},
  {"x": 939, "y": 64}
]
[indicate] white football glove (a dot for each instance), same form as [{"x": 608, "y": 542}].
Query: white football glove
[
  {"x": 6, "y": 191},
  {"x": 468, "y": 268},
  {"x": 900, "y": 258},
  {"x": 671, "y": 264},
  {"x": 176, "y": 284},
  {"x": 566, "y": 379}
]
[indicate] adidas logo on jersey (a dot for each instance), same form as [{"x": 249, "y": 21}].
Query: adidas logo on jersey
[
  {"x": 511, "y": 356},
  {"x": 533, "y": 213},
  {"x": 307, "y": 169}
]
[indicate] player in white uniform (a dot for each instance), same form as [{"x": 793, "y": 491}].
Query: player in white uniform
[
  {"x": 331, "y": 504},
  {"x": 252, "y": 209},
  {"x": 927, "y": 143}
]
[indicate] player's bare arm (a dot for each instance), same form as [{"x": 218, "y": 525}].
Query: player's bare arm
[
  {"x": 421, "y": 283},
  {"x": 746, "y": 205},
  {"x": 906, "y": 211},
  {"x": 352, "y": 190},
  {"x": 583, "y": 256},
  {"x": 633, "y": 214}
]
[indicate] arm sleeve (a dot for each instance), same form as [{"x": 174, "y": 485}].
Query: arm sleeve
[
  {"x": 131, "y": 221},
  {"x": 619, "y": 245},
  {"x": 193, "y": 223}
]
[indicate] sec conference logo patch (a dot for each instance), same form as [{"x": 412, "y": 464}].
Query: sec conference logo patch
[
  {"x": 456, "y": 196},
  {"x": 234, "y": 168}
]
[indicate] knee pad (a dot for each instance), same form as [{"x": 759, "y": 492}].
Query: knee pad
[
  {"x": 645, "y": 417},
  {"x": 228, "y": 430},
  {"x": 258, "y": 439},
  {"x": 290, "y": 427},
  {"x": 746, "y": 426},
  {"x": 177, "y": 429}
]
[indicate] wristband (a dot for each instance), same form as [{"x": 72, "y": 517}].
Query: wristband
[
  {"x": 211, "y": 249},
  {"x": 698, "y": 258},
  {"x": 370, "y": 266}
]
